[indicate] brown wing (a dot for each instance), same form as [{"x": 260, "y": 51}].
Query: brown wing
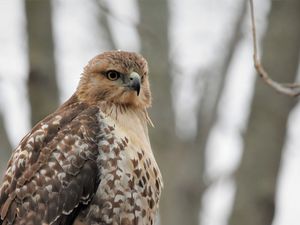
[{"x": 53, "y": 172}]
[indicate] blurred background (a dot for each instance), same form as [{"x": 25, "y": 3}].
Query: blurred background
[{"x": 227, "y": 144}]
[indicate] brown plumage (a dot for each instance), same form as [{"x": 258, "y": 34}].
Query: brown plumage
[{"x": 89, "y": 162}]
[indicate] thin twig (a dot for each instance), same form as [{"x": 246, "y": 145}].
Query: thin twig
[{"x": 292, "y": 89}]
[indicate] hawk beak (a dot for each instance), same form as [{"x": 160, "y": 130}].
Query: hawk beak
[{"x": 135, "y": 82}]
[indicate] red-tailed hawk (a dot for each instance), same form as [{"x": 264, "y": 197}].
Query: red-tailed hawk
[{"x": 89, "y": 162}]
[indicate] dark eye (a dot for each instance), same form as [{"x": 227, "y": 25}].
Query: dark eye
[{"x": 112, "y": 75}]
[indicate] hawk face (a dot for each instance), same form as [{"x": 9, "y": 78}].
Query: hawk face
[{"x": 116, "y": 77}]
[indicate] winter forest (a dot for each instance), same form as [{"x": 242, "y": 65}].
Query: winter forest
[{"x": 227, "y": 143}]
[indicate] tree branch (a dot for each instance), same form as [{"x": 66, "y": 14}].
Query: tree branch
[{"x": 292, "y": 89}]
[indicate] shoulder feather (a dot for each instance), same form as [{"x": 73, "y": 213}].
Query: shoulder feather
[{"x": 53, "y": 170}]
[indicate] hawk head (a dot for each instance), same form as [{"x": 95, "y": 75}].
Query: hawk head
[{"x": 116, "y": 77}]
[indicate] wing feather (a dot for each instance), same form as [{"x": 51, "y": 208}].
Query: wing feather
[{"x": 53, "y": 172}]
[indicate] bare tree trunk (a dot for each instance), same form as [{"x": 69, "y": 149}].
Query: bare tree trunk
[
  {"x": 153, "y": 30},
  {"x": 215, "y": 84},
  {"x": 103, "y": 23},
  {"x": 181, "y": 163},
  {"x": 257, "y": 176},
  {"x": 43, "y": 91}
]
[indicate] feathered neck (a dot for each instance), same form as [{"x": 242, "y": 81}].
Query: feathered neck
[{"x": 118, "y": 111}]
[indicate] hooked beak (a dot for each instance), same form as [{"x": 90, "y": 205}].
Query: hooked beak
[{"x": 135, "y": 82}]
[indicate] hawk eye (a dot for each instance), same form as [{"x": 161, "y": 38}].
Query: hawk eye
[{"x": 112, "y": 75}]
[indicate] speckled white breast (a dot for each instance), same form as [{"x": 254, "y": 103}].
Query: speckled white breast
[{"x": 130, "y": 180}]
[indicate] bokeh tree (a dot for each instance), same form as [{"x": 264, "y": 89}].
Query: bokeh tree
[
  {"x": 265, "y": 137},
  {"x": 42, "y": 84}
]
